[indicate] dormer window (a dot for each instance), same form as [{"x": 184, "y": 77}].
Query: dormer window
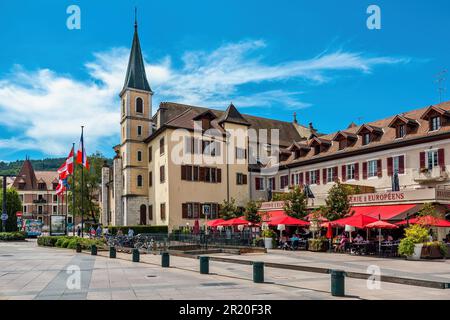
[
  {"x": 435, "y": 123},
  {"x": 299, "y": 149},
  {"x": 205, "y": 119},
  {"x": 366, "y": 139},
  {"x": 369, "y": 133},
  {"x": 400, "y": 131},
  {"x": 319, "y": 145},
  {"x": 316, "y": 149},
  {"x": 42, "y": 186},
  {"x": 345, "y": 139},
  {"x": 436, "y": 117}
]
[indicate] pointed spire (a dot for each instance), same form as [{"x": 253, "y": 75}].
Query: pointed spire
[{"x": 136, "y": 77}]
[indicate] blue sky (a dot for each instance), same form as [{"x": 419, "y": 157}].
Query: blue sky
[{"x": 270, "y": 58}]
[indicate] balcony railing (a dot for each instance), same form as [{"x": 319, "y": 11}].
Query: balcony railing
[
  {"x": 435, "y": 174},
  {"x": 40, "y": 201}
]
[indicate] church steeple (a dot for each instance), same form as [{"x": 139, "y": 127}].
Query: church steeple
[{"x": 136, "y": 77}]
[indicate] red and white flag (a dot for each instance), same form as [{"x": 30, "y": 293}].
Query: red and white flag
[
  {"x": 81, "y": 154},
  {"x": 67, "y": 167},
  {"x": 60, "y": 188}
]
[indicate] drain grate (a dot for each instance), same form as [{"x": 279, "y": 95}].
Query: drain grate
[{"x": 150, "y": 276}]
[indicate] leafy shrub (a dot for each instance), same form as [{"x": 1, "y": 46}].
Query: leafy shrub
[
  {"x": 415, "y": 234},
  {"x": 139, "y": 229},
  {"x": 65, "y": 242},
  {"x": 268, "y": 233},
  {"x": 59, "y": 242},
  {"x": 47, "y": 241},
  {"x": 12, "y": 236}
]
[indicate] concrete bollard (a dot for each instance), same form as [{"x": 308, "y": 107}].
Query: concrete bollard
[
  {"x": 258, "y": 272},
  {"x": 112, "y": 252},
  {"x": 204, "y": 265},
  {"x": 135, "y": 255},
  {"x": 94, "y": 250},
  {"x": 165, "y": 260},
  {"x": 337, "y": 283}
]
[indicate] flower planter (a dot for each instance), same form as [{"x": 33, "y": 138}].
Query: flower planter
[
  {"x": 268, "y": 243},
  {"x": 417, "y": 252}
]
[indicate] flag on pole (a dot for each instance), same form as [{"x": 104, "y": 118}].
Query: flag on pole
[
  {"x": 67, "y": 167},
  {"x": 61, "y": 187},
  {"x": 81, "y": 154}
]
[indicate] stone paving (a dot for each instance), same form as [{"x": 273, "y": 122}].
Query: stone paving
[{"x": 31, "y": 272}]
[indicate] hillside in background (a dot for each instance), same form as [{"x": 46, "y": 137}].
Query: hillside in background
[{"x": 48, "y": 164}]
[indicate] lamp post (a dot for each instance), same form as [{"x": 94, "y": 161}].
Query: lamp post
[{"x": 4, "y": 213}]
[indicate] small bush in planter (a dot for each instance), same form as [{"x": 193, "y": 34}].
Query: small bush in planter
[
  {"x": 317, "y": 244},
  {"x": 415, "y": 234},
  {"x": 12, "y": 236}
]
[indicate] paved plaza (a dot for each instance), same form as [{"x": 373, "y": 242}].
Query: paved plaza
[{"x": 31, "y": 272}]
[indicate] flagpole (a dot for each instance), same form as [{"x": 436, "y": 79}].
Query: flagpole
[
  {"x": 73, "y": 188},
  {"x": 82, "y": 183},
  {"x": 67, "y": 208}
]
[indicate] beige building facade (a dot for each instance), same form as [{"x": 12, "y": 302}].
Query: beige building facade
[{"x": 179, "y": 164}]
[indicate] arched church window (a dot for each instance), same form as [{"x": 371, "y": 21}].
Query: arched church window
[{"x": 139, "y": 105}]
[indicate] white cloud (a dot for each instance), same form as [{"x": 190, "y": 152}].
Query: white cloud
[{"x": 46, "y": 109}]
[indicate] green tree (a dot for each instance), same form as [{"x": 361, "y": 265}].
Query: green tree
[
  {"x": 428, "y": 209},
  {"x": 337, "y": 202},
  {"x": 228, "y": 210},
  {"x": 13, "y": 204},
  {"x": 251, "y": 211},
  {"x": 295, "y": 203},
  {"x": 92, "y": 180}
]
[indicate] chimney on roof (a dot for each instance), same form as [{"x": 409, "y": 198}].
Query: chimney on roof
[
  {"x": 295, "y": 118},
  {"x": 311, "y": 126}
]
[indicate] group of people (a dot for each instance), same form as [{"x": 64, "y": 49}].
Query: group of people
[{"x": 344, "y": 240}]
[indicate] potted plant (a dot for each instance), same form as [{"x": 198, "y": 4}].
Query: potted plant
[
  {"x": 317, "y": 245},
  {"x": 268, "y": 236},
  {"x": 411, "y": 246}
]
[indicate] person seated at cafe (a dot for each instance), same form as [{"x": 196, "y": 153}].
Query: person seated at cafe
[
  {"x": 358, "y": 239},
  {"x": 390, "y": 238},
  {"x": 380, "y": 237},
  {"x": 343, "y": 243}
]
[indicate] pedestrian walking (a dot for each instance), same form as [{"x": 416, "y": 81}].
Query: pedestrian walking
[{"x": 78, "y": 231}]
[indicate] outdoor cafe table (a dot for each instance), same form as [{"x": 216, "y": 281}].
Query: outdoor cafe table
[{"x": 362, "y": 248}]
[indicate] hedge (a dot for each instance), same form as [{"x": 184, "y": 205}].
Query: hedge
[
  {"x": 12, "y": 236},
  {"x": 139, "y": 229},
  {"x": 68, "y": 242}
]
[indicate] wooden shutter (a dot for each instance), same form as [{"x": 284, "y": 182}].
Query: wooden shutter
[
  {"x": 201, "y": 176},
  {"x": 364, "y": 170},
  {"x": 237, "y": 178},
  {"x": 244, "y": 178},
  {"x": 183, "y": 172},
  {"x": 324, "y": 176},
  {"x": 401, "y": 164},
  {"x": 150, "y": 212},
  {"x": 274, "y": 185},
  {"x": 162, "y": 177},
  {"x": 257, "y": 184},
  {"x": 422, "y": 160},
  {"x": 317, "y": 176},
  {"x": 307, "y": 177},
  {"x": 390, "y": 167},
  {"x": 379, "y": 168},
  {"x": 441, "y": 158},
  {"x": 150, "y": 178},
  {"x": 219, "y": 175},
  {"x": 184, "y": 210},
  {"x": 301, "y": 178},
  {"x": 292, "y": 179},
  {"x": 344, "y": 173},
  {"x": 195, "y": 174},
  {"x": 356, "y": 171},
  {"x": 335, "y": 174}
]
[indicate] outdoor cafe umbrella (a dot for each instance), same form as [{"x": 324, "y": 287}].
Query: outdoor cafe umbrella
[
  {"x": 380, "y": 225},
  {"x": 234, "y": 222},
  {"x": 357, "y": 221},
  {"x": 427, "y": 221},
  {"x": 214, "y": 223},
  {"x": 288, "y": 221}
]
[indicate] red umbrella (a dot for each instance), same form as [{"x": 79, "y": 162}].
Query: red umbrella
[
  {"x": 359, "y": 221},
  {"x": 427, "y": 221},
  {"x": 381, "y": 225},
  {"x": 329, "y": 234},
  {"x": 214, "y": 223},
  {"x": 288, "y": 221},
  {"x": 234, "y": 222}
]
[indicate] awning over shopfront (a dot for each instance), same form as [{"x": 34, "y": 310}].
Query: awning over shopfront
[
  {"x": 273, "y": 214},
  {"x": 387, "y": 212}
]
